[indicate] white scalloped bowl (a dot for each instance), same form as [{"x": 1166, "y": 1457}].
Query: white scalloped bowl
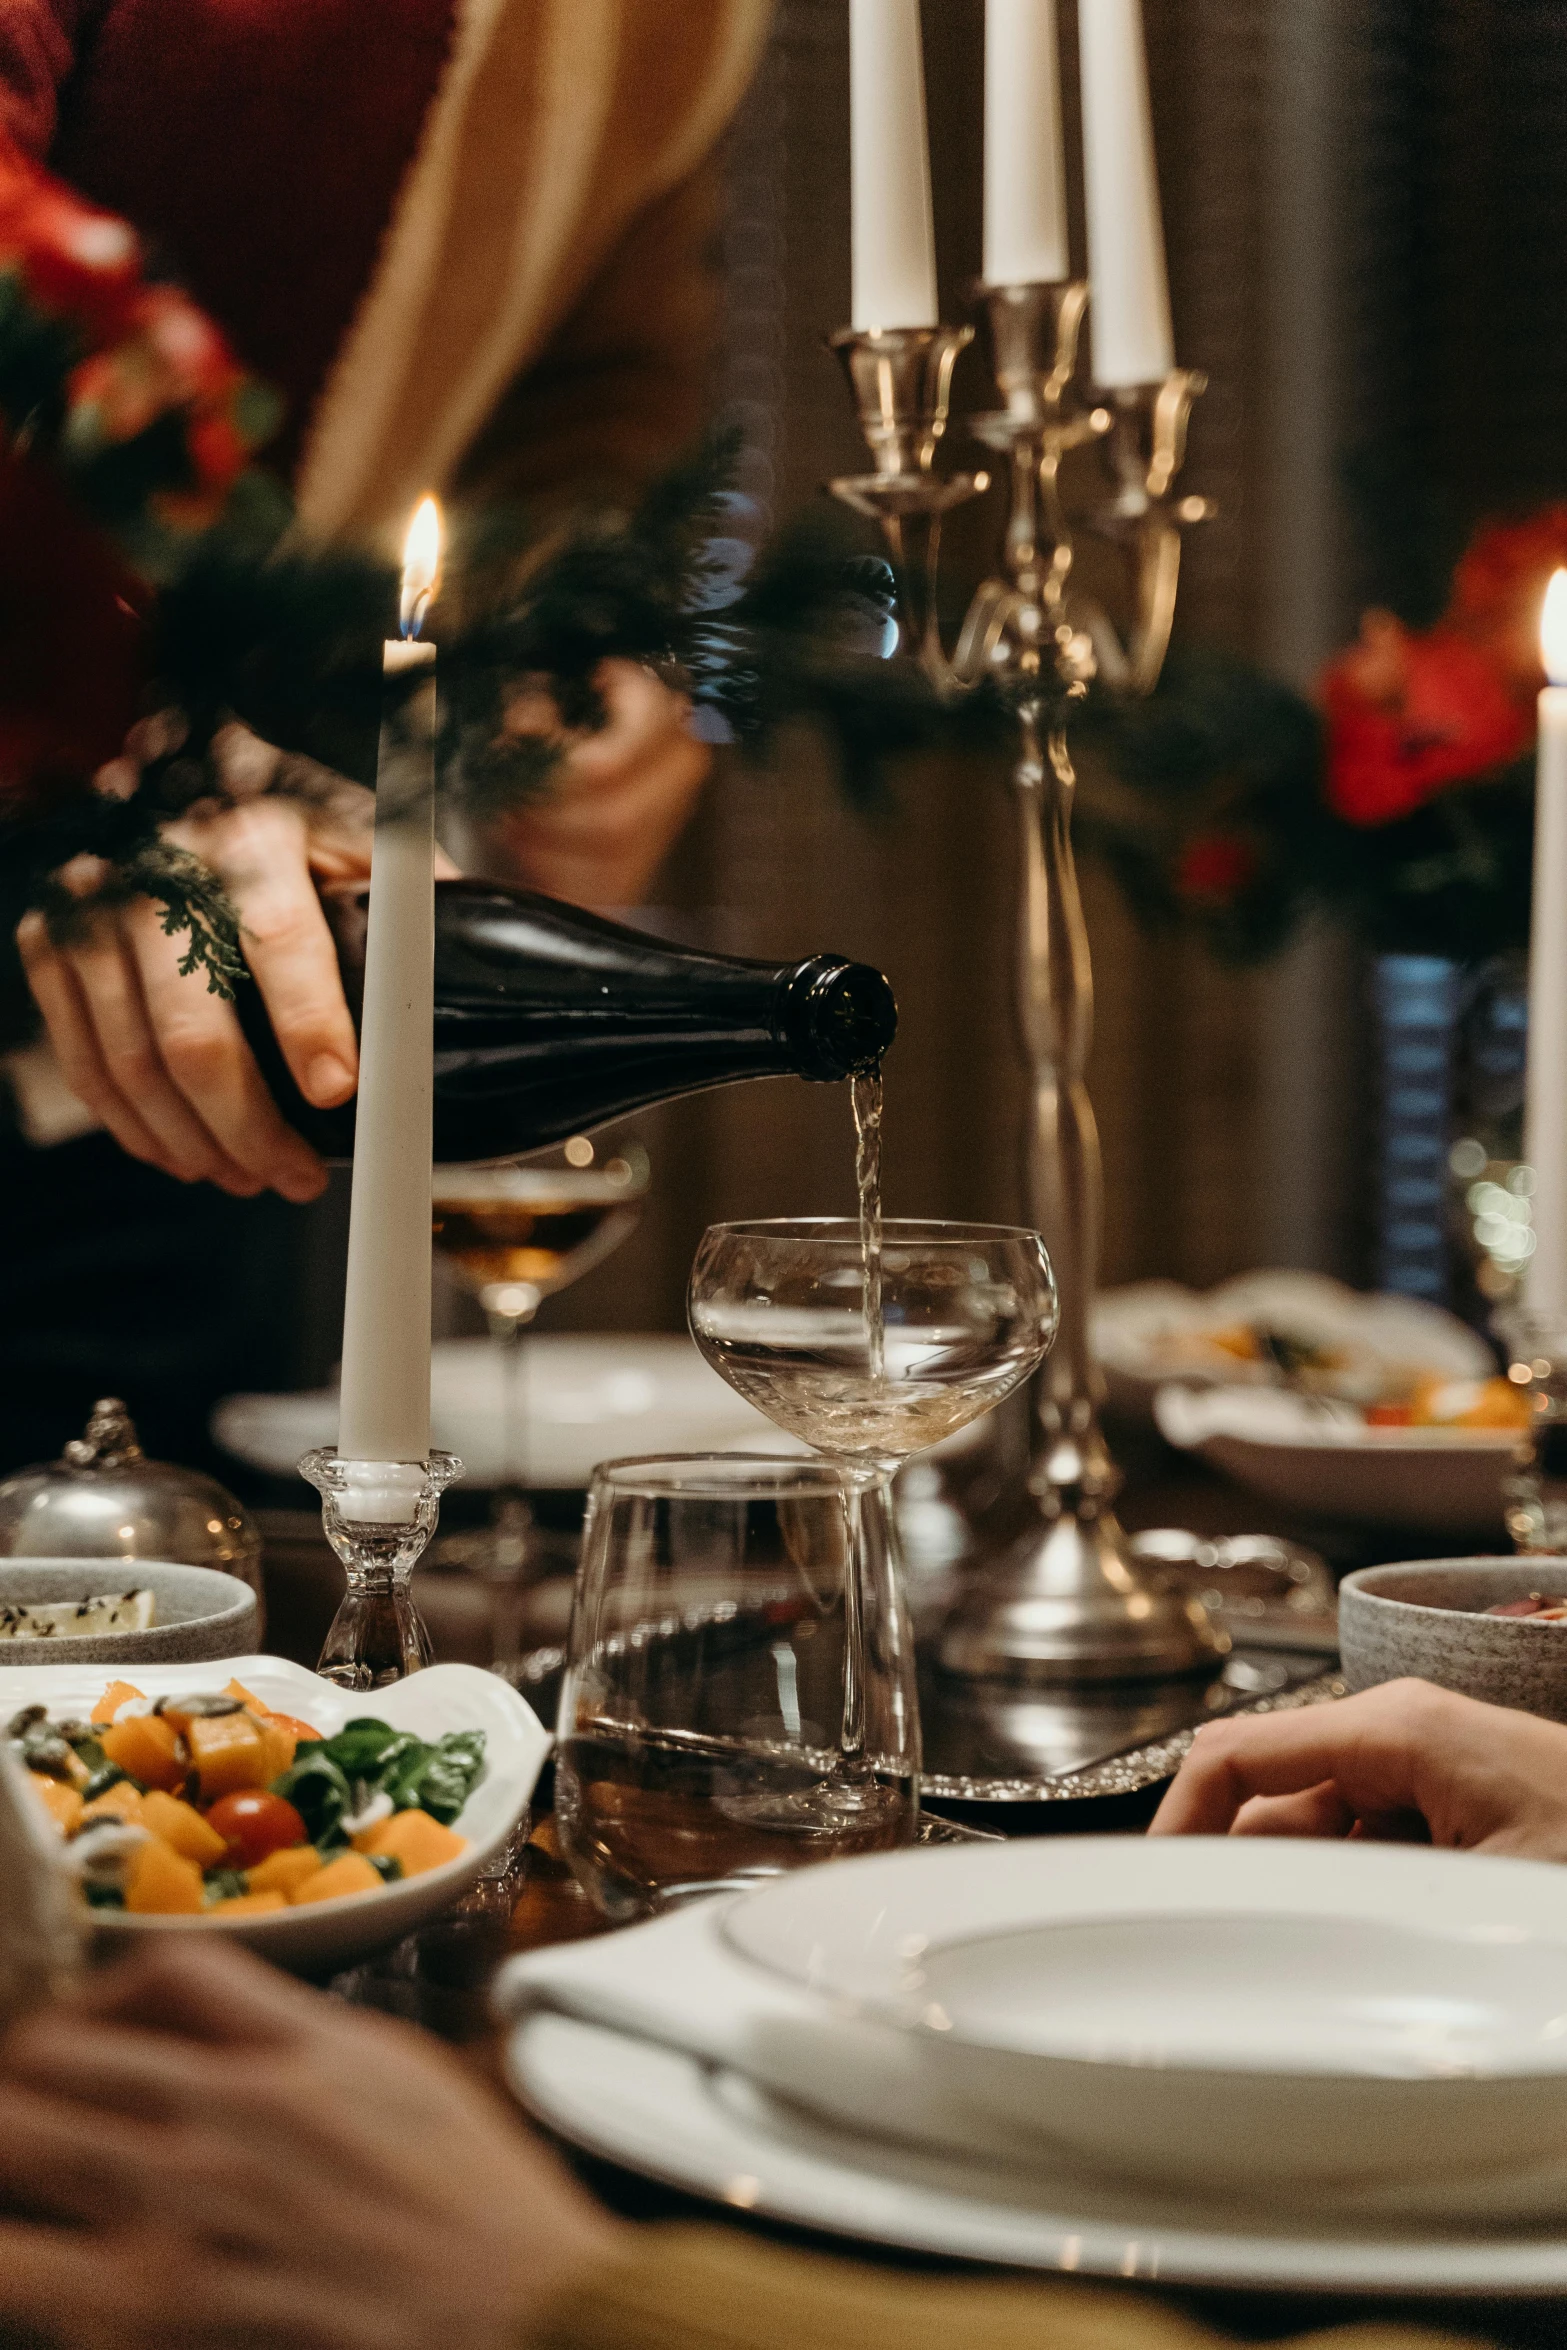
[{"x": 329, "y": 1934}]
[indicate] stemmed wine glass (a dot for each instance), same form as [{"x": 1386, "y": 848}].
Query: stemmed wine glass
[
  {"x": 869, "y": 1354},
  {"x": 513, "y": 1236}
]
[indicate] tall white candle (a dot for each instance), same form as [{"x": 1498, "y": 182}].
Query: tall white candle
[
  {"x": 385, "y": 1407},
  {"x": 893, "y": 237},
  {"x": 1025, "y": 167},
  {"x": 1545, "y": 1117},
  {"x": 1130, "y": 313}
]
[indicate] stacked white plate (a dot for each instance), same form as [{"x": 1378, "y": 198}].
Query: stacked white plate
[{"x": 1300, "y": 2065}]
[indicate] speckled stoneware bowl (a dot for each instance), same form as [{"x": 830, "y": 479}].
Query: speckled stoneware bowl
[
  {"x": 197, "y": 1613},
  {"x": 1428, "y": 1618}
]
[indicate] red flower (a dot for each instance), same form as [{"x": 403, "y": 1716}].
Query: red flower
[
  {"x": 1499, "y": 587},
  {"x": 216, "y": 450},
  {"x": 134, "y": 355},
  {"x": 1410, "y": 715},
  {"x": 146, "y": 351},
  {"x": 75, "y": 261},
  {"x": 1214, "y": 867}
]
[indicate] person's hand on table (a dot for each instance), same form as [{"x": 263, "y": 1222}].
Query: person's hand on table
[
  {"x": 1406, "y": 1762},
  {"x": 159, "y": 1059},
  {"x": 619, "y": 797},
  {"x": 196, "y": 2151}
]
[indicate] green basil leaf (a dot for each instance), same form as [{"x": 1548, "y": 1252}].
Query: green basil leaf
[
  {"x": 317, "y": 1789},
  {"x": 450, "y": 1773},
  {"x": 362, "y": 1747}
]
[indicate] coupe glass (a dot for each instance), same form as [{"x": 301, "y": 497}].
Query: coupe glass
[
  {"x": 698, "y": 1733},
  {"x": 968, "y": 1311},
  {"x": 870, "y": 1354},
  {"x": 513, "y": 1236}
]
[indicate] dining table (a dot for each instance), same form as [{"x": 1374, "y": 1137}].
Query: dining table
[{"x": 439, "y": 1979}]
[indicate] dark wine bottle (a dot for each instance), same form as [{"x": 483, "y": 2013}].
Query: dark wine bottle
[{"x": 549, "y": 1020}]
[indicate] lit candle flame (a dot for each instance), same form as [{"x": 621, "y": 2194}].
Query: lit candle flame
[
  {"x": 421, "y": 566},
  {"x": 1553, "y": 629}
]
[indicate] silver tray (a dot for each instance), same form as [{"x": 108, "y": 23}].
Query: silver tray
[{"x": 996, "y": 1744}]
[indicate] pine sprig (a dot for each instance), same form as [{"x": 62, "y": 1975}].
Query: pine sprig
[
  {"x": 134, "y": 860},
  {"x": 195, "y": 905}
]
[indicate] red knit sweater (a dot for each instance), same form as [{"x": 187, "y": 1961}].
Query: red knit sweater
[{"x": 258, "y": 144}]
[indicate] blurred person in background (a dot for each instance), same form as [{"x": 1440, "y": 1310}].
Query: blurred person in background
[{"x": 473, "y": 251}]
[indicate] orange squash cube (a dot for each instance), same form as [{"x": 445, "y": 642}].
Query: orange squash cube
[
  {"x": 182, "y": 1825},
  {"x": 284, "y": 1872},
  {"x": 278, "y": 1744},
  {"x": 227, "y": 1751},
  {"x": 122, "y": 1801},
  {"x": 160, "y": 1882},
  {"x": 147, "y": 1747},
  {"x": 351, "y": 1873},
  {"x": 117, "y": 1694},
  {"x": 288, "y": 1731},
  {"x": 62, "y": 1803},
  {"x": 412, "y": 1837},
  {"x": 239, "y": 1905}
]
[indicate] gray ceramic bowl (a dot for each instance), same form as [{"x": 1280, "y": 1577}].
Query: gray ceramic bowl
[
  {"x": 1428, "y": 1618},
  {"x": 198, "y": 1613}
]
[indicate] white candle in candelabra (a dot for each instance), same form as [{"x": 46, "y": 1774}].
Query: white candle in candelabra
[
  {"x": 385, "y": 1414},
  {"x": 893, "y": 238},
  {"x": 1545, "y": 1116},
  {"x": 1025, "y": 167},
  {"x": 1130, "y": 311}
]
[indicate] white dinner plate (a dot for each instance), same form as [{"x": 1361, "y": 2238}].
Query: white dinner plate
[
  {"x": 325, "y": 1934},
  {"x": 1373, "y": 2025},
  {"x": 1312, "y": 1457},
  {"x": 583, "y": 1400},
  {"x": 714, "y": 2134}
]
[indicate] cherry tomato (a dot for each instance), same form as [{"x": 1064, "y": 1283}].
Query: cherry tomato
[{"x": 253, "y": 1823}]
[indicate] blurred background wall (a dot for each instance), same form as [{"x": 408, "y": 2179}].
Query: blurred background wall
[{"x": 1366, "y": 211}]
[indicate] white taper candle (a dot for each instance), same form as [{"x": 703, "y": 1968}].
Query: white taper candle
[
  {"x": 1025, "y": 166},
  {"x": 385, "y": 1403},
  {"x": 1545, "y": 1117},
  {"x": 1130, "y": 311},
  {"x": 892, "y": 233}
]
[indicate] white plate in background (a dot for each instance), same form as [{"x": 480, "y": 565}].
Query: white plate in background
[
  {"x": 1323, "y": 1459},
  {"x": 1142, "y": 1333},
  {"x": 327, "y": 1934},
  {"x": 582, "y": 1400}
]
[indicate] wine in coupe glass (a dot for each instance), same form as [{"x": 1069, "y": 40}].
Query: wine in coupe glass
[
  {"x": 513, "y": 1236},
  {"x": 870, "y": 1341}
]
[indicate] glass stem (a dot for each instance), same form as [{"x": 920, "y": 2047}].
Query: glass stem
[
  {"x": 851, "y": 1738},
  {"x": 511, "y": 1517}
]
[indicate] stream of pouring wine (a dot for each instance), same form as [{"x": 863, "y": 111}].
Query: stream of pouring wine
[{"x": 867, "y": 1096}]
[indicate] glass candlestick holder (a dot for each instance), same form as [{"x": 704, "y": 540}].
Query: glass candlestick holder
[
  {"x": 378, "y": 1517},
  {"x": 1534, "y": 1494}
]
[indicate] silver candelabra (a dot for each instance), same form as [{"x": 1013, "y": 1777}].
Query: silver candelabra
[{"x": 1064, "y": 1600}]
